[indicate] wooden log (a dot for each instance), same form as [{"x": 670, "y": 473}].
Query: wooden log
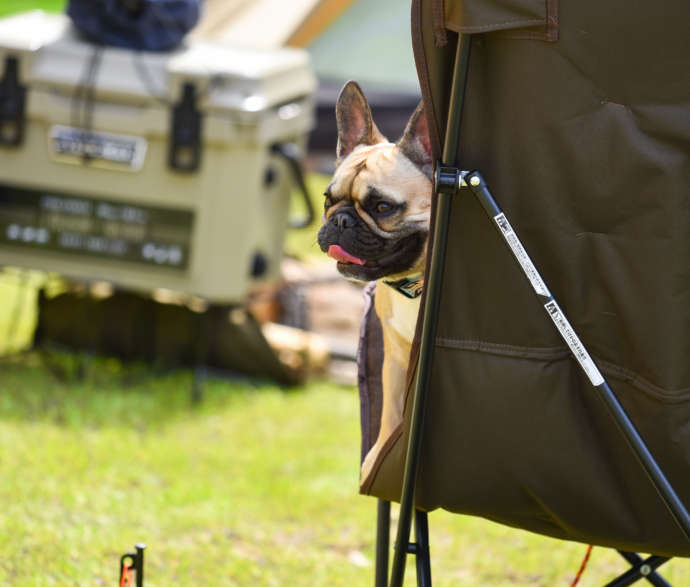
[{"x": 302, "y": 351}]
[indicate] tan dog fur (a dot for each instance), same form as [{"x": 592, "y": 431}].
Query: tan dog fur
[{"x": 384, "y": 166}]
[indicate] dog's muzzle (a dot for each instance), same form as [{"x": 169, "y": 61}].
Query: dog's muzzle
[{"x": 343, "y": 220}]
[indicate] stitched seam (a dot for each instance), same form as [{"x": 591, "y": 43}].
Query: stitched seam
[
  {"x": 552, "y": 20},
  {"x": 434, "y": 132},
  {"x": 503, "y": 349},
  {"x": 496, "y": 25},
  {"x": 624, "y": 374},
  {"x": 522, "y": 34},
  {"x": 422, "y": 71},
  {"x": 439, "y": 17},
  {"x": 514, "y": 33},
  {"x": 545, "y": 353}
]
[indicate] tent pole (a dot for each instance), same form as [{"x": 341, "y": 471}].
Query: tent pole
[{"x": 433, "y": 282}]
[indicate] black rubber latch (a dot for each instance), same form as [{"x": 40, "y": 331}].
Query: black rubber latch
[
  {"x": 447, "y": 180},
  {"x": 259, "y": 265},
  {"x": 185, "y": 134},
  {"x": 12, "y": 105}
]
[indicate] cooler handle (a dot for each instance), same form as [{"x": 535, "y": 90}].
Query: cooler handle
[{"x": 291, "y": 153}]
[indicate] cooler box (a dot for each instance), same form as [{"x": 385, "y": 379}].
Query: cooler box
[{"x": 149, "y": 170}]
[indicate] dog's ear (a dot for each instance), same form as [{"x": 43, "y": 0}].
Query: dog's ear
[
  {"x": 355, "y": 124},
  {"x": 415, "y": 143}
]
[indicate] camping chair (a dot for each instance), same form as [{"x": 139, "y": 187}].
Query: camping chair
[{"x": 575, "y": 120}]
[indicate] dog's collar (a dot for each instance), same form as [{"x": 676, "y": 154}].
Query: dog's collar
[{"x": 410, "y": 287}]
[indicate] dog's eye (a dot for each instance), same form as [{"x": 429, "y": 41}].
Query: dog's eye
[{"x": 383, "y": 207}]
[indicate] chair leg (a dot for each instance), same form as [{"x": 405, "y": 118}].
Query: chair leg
[
  {"x": 420, "y": 548},
  {"x": 430, "y": 310},
  {"x": 423, "y": 556},
  {"x": 641, "y": 569},
  {"x": 383, "y": 525}
]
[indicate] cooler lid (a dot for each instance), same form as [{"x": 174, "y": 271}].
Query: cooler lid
[
  {"x": 29, "y": 31},
  {"x": 57, "y": 57}
]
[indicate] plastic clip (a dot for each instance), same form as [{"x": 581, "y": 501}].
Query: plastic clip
[
  {"x": 185, "y": 134},
  {"x": 12, "y": 105}
]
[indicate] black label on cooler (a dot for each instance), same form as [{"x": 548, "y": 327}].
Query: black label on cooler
[{"x": 72, "y": 224}]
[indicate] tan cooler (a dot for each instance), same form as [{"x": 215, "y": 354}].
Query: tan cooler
[{"x": 149, "y": 170}]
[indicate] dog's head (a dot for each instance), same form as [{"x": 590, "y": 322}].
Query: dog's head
[{"x": 376, "y": 219}]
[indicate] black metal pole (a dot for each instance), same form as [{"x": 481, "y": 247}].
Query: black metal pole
[
  {"x": 477, "y": 185},
  {"x": 642, "y": 569},
  {"x": 423, "y": 554},
  {"x": 139, "y": 563},
  {"x": 433, "y": 282},
  {"x": 646, "y": 459},
  {"x": 383, "y": 530}
]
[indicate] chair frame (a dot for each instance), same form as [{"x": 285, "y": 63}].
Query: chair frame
[{"x": 449, "y": 181}]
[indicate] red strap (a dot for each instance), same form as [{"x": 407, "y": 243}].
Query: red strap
[
  {"x": 126, "y": 578},
  {"x": 585, "y": 560}
]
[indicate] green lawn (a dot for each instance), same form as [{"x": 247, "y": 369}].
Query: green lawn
[
  {"x": 241, "y": 491},
  {"x": 255, "y": 486},
  {"x": 10, "y": 6}
]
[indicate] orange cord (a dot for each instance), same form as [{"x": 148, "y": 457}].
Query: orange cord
[
  {"x": 585, "y": 560},
  {"x": 126, "y": 578}
]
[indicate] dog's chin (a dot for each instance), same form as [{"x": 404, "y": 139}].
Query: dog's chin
[
  {"x": 361, "y": 272},
  {"x": 403, "y": 259}
]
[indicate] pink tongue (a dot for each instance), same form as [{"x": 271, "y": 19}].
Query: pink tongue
[{"x": 339, "y": 254}]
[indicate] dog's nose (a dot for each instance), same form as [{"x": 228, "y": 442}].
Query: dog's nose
[{"x": 343, "y": 220}]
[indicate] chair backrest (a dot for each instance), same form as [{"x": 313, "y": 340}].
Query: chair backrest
[{"x": 577, "y": 116}]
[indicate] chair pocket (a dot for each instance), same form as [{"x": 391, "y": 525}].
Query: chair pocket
[{"x": 516, "y": 19}]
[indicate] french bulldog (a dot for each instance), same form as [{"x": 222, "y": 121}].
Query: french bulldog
[{"x": 376, "y": 226}]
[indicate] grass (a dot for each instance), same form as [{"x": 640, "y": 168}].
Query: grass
[
  {"x": 10, "y": 6},
  {"x": 239, "y": 491},
  {"x": 255, "y": 486}
]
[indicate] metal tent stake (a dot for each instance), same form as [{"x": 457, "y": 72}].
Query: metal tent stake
[{"x": 135, "y": 562}]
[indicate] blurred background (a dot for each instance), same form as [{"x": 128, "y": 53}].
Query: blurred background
[
  {"x": 208, "y": 199},
  {"x": 177, "y": 357}
]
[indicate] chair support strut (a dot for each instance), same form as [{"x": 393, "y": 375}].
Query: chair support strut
[{"x": 449, "y": 180}]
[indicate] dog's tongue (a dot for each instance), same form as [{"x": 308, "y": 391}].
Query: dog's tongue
[{"x": 339, "y": 254}]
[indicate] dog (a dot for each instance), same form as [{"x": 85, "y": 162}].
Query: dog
[{"x": 376, "y": 226}]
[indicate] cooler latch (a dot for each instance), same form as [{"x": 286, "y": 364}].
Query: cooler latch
[
  {"x": 185, "y": 134},
  {"x": 12, "y": 105}
]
